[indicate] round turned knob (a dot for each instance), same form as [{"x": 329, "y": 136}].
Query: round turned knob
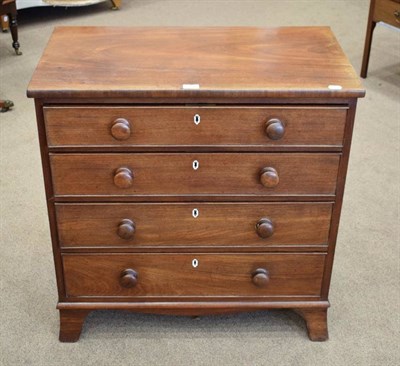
[
  {"x": 121, "y": 129},
  {"x": 275, "y": 129},
  {"x": 126, "y": 229},
  {"x": 123, "y": 178},
  {"x": 260, "y": 277},
  {"x": 269, "y": 177},
  {"x": 128, "y": 278},
  {"x": 265, "y": 228}
]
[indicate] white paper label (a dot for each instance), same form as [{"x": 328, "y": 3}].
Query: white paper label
[
  {"x": 190, "y": 86},
  {"x": 335, "y": 87}
]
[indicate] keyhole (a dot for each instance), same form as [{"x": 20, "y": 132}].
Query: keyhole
[
  {"x": 195, "y": 213},
  {"x": 195, "y": 165},
  {"x": 196, "y": 119},
  {"x": 195, "y": 263}
]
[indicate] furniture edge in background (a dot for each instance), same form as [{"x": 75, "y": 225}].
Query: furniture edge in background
[
  {"x": 116, "y": 4},
  {"x": 379, "y": 11}
]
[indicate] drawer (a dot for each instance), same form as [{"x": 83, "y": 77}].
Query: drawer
[
  {"x": 194, "y": 126},
  {"x": 202, "y": 174},
  {"x": 205, "y": 224},
  {"x": 387, "y": 11},
  {"x": 158, "y": 275}
]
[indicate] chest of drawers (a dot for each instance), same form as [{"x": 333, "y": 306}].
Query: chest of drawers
[{"x": 194, "y": 171}]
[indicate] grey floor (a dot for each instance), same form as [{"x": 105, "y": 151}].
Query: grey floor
[{"x": 364, "y": 317}]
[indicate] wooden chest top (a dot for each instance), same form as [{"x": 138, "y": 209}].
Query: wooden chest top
[{"x": 118, "y": 62}]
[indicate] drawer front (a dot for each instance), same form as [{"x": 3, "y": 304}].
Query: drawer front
[
  {"x": 387, "y": 11},
  {"x": 194, "y": 174},
  {"x": 147, "y": 275},
  {"x": 206, "y": 224},
  {"x": 194, "y": 126}
]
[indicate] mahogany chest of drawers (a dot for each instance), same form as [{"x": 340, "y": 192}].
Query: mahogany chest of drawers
[{"x": 194, "y": 171}]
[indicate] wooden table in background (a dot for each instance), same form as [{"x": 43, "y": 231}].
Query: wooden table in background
[{"x": 387, "y": 11}]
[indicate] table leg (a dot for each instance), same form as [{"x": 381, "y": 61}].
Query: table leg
[
  {"x": 14, "y": 33},
  {"x": 116, "y": 4}
]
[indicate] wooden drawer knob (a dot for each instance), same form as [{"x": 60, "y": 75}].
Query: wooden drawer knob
[
  {"x": 269, "y": 177},
  {"x": 123, "y": 178},
  {"x": 128, "y": 278},
  {"x": 265, "y": 228},
  {"x": 126, "y": 229},
  {"x": 275, "y": 129},
  {"x": 121, "y": 129},
  {"x": 260, "y": 277}
]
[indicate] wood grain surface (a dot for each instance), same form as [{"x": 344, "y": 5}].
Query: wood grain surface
[
  {"x": 173, "y": 174},
  {"x": 174, "y": 275},
  {"x": 227, "y": 224},
  {"x": 174, "y": 126},
  {"x": 224, "y": 61},
  {"x": 386, "y": 10}
]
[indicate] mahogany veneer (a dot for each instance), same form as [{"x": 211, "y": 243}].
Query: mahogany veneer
[
  {"x": 172, "y": 224},
  {"x": 173, "y": 174},
  {"x": 172, "y": 275},
  {"x": 173, "y": 126},
  {"x": 194, "y": 171}
]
